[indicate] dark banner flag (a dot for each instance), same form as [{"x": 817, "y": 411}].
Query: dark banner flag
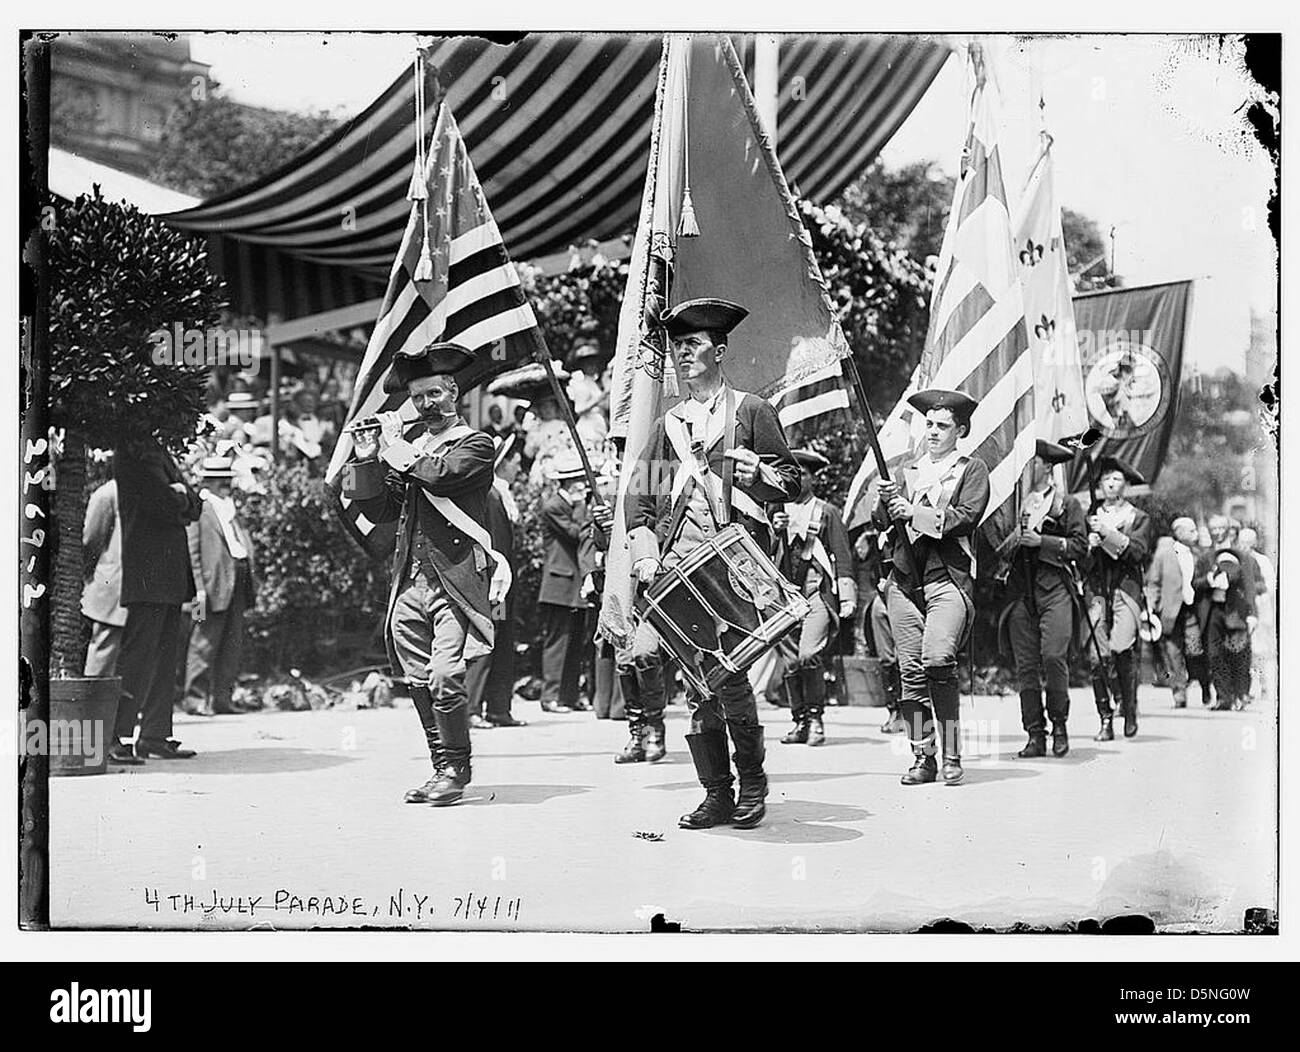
[{"x": 1131, "y": 350}]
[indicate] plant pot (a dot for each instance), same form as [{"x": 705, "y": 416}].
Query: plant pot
[
  {"x": 82, "y": 712},
  {"x": 863, "y": 683}
]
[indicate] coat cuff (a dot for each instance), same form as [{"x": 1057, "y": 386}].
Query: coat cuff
[
  {"x": 643, "y": 544},
  {"x": 848, "y": 590},
  {"x": 363, "y": 479},
  {"x": 1114, "y": 544},
  {"x": 927, "y": 521},
  {"x": 400, "y": 455},
  {"x": 1052, "y": 551}
]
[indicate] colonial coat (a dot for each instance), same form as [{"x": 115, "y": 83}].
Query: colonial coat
[
  {"x": 457, "y": 466},
  {"x": 823, "y": 556},
  {"x": 1121, "y": 565}
]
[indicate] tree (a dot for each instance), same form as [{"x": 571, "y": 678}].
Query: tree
[
  {"x": 117, "y": 277},
  {"x": 212, "y": 144},
  {"x": 1087, "y": 253},
  {"x": 906, "y": 206}
]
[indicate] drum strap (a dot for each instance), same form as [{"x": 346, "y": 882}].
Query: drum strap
[{"x": 728, "y": 444}]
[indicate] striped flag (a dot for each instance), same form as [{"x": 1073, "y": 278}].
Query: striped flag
[
  {"x": 977, "y": 340},
  {"x": 472, "y": 295}
]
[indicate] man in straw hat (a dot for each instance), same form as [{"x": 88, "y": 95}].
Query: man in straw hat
[
  {"x": 1040, "y": 618},
  {"x": 814, "y": 553},
  {"x": 446, "y": 575},
  {"x": 1119, "y": 540},
  {"x": 564, "y": 513},
  {"x": 937, "y": 502},
  {"x": 223, "y": 552},
  {"x": 726, "y": 457}
]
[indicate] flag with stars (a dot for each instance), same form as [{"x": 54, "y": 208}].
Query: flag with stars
[{"x": 451, "y": 280}]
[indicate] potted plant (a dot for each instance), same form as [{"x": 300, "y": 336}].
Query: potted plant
[{"x": 117, "y": 277}]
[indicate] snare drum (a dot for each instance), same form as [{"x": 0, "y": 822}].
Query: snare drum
[{"x": 721, "y": 608}]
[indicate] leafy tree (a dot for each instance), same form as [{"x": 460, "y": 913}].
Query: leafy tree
[
  {"x": 1087, "y": 253},
  {"x": 117, "y": 276},
  {"x": 906, "y": 206},
  {"x": 212, "y": 144}
]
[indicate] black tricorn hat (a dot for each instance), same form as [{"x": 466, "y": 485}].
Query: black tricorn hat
[
  {"x": 961, "y": 404},
  {"x": 703, "y": 315},
  {"x": 810, "y": 459},
  {"x": 440, "y": 358},
  {"x": 1109, "y": 463},
  {"x": 1052, "y": 452}
]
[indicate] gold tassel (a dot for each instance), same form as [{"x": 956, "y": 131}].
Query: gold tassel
[
  {"x": 424, "y": 268},
  {"x": 419, "y": 189},
  {"x": 688, "y": 226}
]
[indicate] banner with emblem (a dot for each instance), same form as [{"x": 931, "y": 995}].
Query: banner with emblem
[{"x": 1131, "y": 346}]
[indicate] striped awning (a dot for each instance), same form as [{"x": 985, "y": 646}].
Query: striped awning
[{"x": 558, "y": 126}]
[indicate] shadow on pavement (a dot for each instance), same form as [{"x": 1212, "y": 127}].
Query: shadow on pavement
[
  {"x": 801, "y": 822},
  {"x": 485, "y": 795},
  {"x": 240, "y": 761}
]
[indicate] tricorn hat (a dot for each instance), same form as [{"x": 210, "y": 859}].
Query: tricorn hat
[
  {"x": 440, "y": 358},
  {"x": 703, "y": 315},
  {"x": 1110, "y": 463},
  {"x": 1052, "y": 452},
  {"x": 810, "y": 459},
  {"x": 961, "y": 404}
]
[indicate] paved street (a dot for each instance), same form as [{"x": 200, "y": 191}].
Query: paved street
[{"x": 296, "y": 820}]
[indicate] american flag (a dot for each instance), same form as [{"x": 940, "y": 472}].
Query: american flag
[
  {"x": 472, "y": 295},
  {"x": 977, "y": 340}
]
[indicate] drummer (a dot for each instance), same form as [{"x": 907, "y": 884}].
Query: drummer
[
  {"x": 938, "y": 503},
  {"x": 727, "y": 454}
]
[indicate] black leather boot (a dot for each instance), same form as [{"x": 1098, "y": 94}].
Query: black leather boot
[
  {"x": 634, "y": 750},
  {"x": 798, "y": 734},
  {"x": 892, "y": 680},
  {"x": 1102, "y": 696},
  {"x": 814, "y": 699},
  {"x": 453, "y": 730},
  {"x": 945, "y": 696},
  {"x": 920, "y": 731},
  {"x": 1058, "y": 711},
  {"x": 652, "y": 713},
  {"x": 1031, "y": 718},
  {"x": 749, "y": 755},
  {"x": 424, "y": 709},
  {"x": 1126, "y": 671},
  {"x": 709, "y": 751}
]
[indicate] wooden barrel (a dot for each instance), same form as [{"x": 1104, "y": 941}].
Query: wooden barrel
[{"x": 82, "y": 712}]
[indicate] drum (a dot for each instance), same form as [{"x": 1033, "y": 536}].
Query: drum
[{"x": 721, "y": 608}]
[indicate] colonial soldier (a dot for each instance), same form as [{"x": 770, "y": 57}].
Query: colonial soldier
[
  {"x": 813, "y": 552},
  {"x": 938, "y": 501},
  {"x": 1040, "y": 618},
  {"x": 1119, "y": 540},
  {"x": 446, "y": 575},
  {"x": 727, "y": 457}
]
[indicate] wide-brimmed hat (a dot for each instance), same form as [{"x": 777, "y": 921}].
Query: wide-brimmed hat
[
  {"x": 1052, "y": 452},
  {"x": 440, "y": 358},
  {"x": 1110, "y": 463},
  {"x": 703, "y": 315},
  {"x": 810, "y": 459},
  {"x": 960, "y": 403},
  {"x": 528, "y": 383},
  {"x": 564, "y": 467}
]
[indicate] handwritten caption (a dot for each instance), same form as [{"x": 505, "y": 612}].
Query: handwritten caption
[{"x": 406, "y": 906}]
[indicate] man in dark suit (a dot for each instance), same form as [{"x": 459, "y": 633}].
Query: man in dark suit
[
  {"x": 101, "y": 545},
  {"x": 564, "y": 512},
  {"x": 154, "y": 507},
  {"x": 1051, "y": 534},
  {"x": 223, "y": 551},
  {"x": 718, "y": 454},
  {"x": 933, "y": 508},
  {"x": 1227, "y": 585},
  {"x": 490, "y": 681},
  {"x": 446, "y": 574}
]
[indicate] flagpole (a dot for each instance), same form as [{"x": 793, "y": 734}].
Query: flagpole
[{"x": 566, "y": 410}]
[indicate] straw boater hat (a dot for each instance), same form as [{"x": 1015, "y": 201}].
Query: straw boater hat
[
  {"x": 528, "y": 384},
  {"x": 440, "y": 358},
  {"x": 217, "y": 468},
  {"x": 241, "y": 400},
  {"x": 703, "y": 315},
  {"x": 564, "y": 467}
]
